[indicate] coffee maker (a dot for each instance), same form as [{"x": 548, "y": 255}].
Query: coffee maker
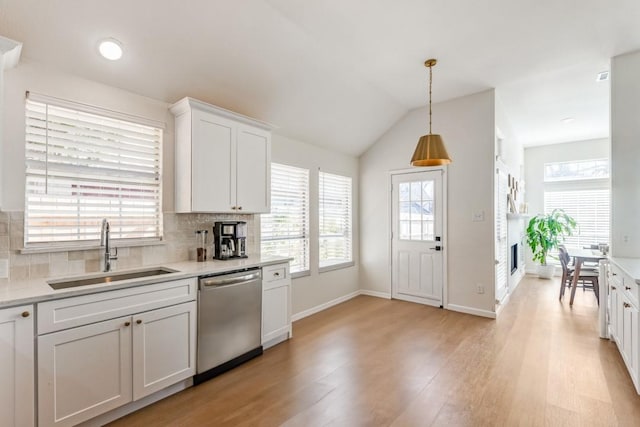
[{"x": 229, "y": 239}]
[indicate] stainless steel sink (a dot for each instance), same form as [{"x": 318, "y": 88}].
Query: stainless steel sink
[{"x": 108, "y": 278}]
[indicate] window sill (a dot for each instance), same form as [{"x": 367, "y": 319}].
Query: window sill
[
  {"x": 298, "y": 274},
  {"x": 87, "y": 247},
  {"x": 336, "y": 266}
]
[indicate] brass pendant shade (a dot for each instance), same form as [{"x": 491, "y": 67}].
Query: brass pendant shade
[{"x": 430, "y": 150}]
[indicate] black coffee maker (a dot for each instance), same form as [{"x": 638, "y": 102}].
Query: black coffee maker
[{"x": 229, "y": 239}]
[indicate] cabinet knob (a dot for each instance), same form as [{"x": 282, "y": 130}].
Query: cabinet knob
[
  {"x": 626, "y": 305},
  {"x": 239, "y": 208},
  {"x": 614, "y": 288},
  {"x": 138, "y": 321},
  {"x": 614, "y": 274},
  {"x": 25, "y": 314},
  {"x": 627, "y": 288},
  {"x": 234, "y": 207},
  {"x": 127, "y": 323},
  {"x": 276, "y": 274}
]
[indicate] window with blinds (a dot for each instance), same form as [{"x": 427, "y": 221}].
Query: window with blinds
[
  {"x": 285, "y": 231},
  {"x": 82, "y": 166},
  {"x": 335, "y": 205},
  {"x": 590, "y": 209}
]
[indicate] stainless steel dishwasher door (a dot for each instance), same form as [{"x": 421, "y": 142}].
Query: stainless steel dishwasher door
[{"x": 229, "y": 317}]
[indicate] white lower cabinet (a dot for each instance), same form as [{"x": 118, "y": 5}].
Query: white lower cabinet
[
  {"x": 164, "y": 348},
  {"x": 624, "y": 326},
  {"x": 88, "y": 370},
  {"x": 276, "y": 304},
  {"x": 84, "y": 372},
  {"x": 17, "y": 388}
]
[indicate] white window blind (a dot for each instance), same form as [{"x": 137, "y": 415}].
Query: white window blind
[
  {"x": 335, "y": 204},
  {"x": 285, "y": 231},
  {"x": 502, "y": 277},
  {"x": 590, "y": 209},
  {"x": 83, "y": 166}
]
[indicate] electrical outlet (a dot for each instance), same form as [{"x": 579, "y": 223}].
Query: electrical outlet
[
  {"x": 625, "y": 238},
  {"x": 477, "y": 216},
  {"x": 480, "y": 289}
]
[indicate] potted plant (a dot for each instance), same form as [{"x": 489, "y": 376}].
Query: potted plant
[{"x": 545, "y": 233}]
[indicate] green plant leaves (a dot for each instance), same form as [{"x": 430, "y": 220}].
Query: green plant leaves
[{"x": 547, "y": 232}]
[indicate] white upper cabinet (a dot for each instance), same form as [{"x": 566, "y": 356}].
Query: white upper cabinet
[{"x": 223, "y": 160}]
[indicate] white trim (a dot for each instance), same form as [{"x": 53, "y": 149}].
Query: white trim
[
  {"x": 418, "y": 300},
  {"x": 187, "y": 103},
  {"x": 10, "y": 51},
  {"x": 502, "y": 304},
  {"x": 471, "y": 310},
  {"x": 91, "y": 109},
  {"x": 339, "y": 266},
  {"x": 324, "y": 306},
  {"x": 377, "y": 294}
]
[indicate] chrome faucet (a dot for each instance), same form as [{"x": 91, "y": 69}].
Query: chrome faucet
[{"x": 109, "y": 252}]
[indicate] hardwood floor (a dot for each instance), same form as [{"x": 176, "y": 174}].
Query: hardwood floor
[{"x": 374, "y": 362}]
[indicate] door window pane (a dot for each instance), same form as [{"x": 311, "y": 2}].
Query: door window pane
[{"x": 415, "y": 210}]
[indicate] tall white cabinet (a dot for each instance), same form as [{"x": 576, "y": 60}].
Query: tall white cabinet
[
  {"x": 222, "y": 160},
  {"x": 17, "y": 388}
]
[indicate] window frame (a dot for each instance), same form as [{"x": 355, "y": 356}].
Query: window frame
[
  {"x": 93, "y": 243},
  {"x": 307, "y": 211},
  {"x": 341, "y": 264}
]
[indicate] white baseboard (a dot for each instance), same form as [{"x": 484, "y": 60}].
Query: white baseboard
[
  {"x": 319, "y": 308},
  {"x": 502, "y": 304},
  {"x": 471, "y": 310},
  {"x": 377, "y": 294}
]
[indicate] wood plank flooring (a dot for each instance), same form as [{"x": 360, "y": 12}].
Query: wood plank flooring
[{"x": 374, "y": 362}]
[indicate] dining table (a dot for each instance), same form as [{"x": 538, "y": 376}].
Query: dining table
[{"x": 581, "y": 255}]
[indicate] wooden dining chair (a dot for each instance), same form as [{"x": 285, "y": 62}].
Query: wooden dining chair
[{"x": 587, "y": 275}]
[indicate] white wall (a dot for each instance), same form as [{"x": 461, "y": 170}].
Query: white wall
[
  {"x": 536, "y": 157},
  {"x": 625, "y": 153},
  {"x": 467, "y": 126},
  {"x": 319, "y": 288}
]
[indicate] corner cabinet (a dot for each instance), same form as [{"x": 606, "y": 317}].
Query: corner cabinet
[
  {"x": 276, "y": 304},
  {"x": 222, "y": 160},
  {"x": 17, "y": 388}
]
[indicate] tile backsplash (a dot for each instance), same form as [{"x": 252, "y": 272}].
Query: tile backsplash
[{"x": 178, "y": 245}]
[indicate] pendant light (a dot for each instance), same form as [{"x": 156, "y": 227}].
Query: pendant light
[{"x": 430, "y": 150}]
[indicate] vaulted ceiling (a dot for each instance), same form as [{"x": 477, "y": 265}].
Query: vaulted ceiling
[{"x": 338, "y": 73}]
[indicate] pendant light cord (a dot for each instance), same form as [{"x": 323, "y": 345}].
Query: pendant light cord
[{"x": 430, "y": 80}]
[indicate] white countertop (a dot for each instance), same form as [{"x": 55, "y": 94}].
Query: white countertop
[
  {"x": 631, "y": 266},
  {"x": 20, "y": 292}
]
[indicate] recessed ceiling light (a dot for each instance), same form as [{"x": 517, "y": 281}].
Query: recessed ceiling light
[
  {"x": 568, "y": 120},
  {"x": 603, "y": 76},
  {"x": 110, "y": 49}
]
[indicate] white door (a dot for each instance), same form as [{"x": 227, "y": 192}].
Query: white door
[
  {"x": 83, "y": 372},
  {"x": 253, "y": 173},
  {"x": 164, "y": 348},
  {"x": 17, "y": 390},
  {"x": 416, "y": 244}
]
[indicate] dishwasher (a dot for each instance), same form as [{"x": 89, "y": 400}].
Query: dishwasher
[{"x": 229, "y": 321}]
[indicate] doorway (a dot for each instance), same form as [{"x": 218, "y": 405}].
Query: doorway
[{"x": 418, "y": 212}]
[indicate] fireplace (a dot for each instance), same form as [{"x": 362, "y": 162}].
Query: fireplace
[{"x": 514, "y": 258}]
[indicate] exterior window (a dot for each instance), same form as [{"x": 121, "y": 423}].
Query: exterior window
[
  {"x": 335, "y": 206},
  {"x": 576, "y": 170},
  {"x": 285, "y": 231},
  {"x": 84, "y": 164}
]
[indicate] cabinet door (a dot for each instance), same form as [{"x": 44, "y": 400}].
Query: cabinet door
[
  {"x": 213, "y": 158},
  {"x": 83, "y": 372},
  {"x": 276, "y": 318},
  {"x": 164, "y": 348},
  {"x": 253, "y": 170},
  {"x": 614, "y": 297},
  {"x": 630, "y": 339},
  {"x": 17, "y": 393}
]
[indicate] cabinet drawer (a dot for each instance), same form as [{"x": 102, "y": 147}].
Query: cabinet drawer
[
  {"x": 624, "y": 282},
  {"x": 276, "y": 272},
  {"x": 616, "y": 275},
  {"x": 77, "y": 311}
]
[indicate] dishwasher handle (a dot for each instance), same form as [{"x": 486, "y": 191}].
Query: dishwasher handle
[{"x": 229, "y": 279}]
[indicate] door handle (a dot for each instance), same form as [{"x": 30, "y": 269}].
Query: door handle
[{"x": 437, "y": 248}]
